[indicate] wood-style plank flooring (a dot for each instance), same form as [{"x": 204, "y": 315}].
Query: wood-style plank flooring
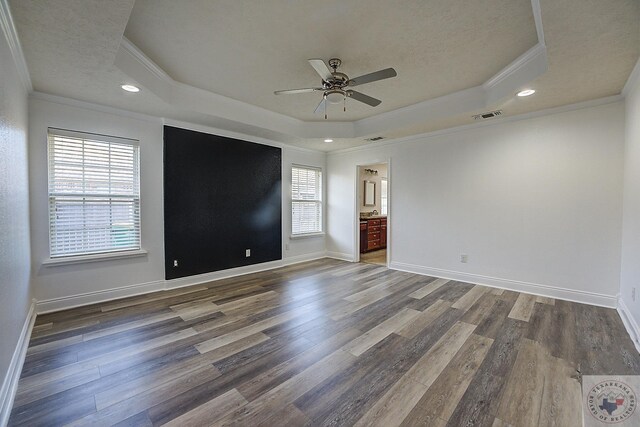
[
  {"x": 378, "y": 257},
  {"x": 320, "y": 343}
]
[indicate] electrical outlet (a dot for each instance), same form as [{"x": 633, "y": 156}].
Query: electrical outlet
[
  {"x": 175, "y": 262},
  {"x": 464, "y": 258},
  {"x": 286, "y": 247},
  {"x": 247, "y": 253},
  {"x": 633, "y": 294}
]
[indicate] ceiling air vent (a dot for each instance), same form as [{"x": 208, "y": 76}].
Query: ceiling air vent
[
  {"x": 488, "y": 115},
  {"x": 375, "y": 138}
]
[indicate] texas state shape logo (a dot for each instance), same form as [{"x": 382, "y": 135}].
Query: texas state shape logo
[{"x": 611, "y": 402}]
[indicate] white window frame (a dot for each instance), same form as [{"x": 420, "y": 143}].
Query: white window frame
[
  {"x": 133, "y": 246},
  {"x": 318, "y": 201},
  {"x": 384, "y": 196}
]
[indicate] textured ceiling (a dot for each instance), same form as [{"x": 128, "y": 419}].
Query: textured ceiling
[
  {"x": 247, "y": 49},
  {"x": 89, "y": 41},
  {"x": 592, "y": 47},
  {"x": 70, "y": 46}
]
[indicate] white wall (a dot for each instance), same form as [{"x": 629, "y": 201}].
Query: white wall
[
  {"x": 535, "y": 203},
  {"x": 364, "y": 176},
  {"x": 630, "y": 275},
  {"x": 66, "y": 280},
  {"x": 301, "y": 246},
  {"x": 64, "y": 285},
  {"x": 15, "y": 294}
]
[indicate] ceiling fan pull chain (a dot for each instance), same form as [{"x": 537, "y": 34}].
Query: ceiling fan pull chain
[
  {"x": 336, "y": 83},
  {"x": 325, "y": 106}
]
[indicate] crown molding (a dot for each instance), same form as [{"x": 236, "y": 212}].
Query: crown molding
[
  {"x": 235, "y": 135},
  {"x": 537, "y": 17},
  {"x": 494, "y": 122},
  {"x": 516, "y": 65},
  {"x": 525, "y": 68},
  {"x": 135, "y": 64},
  {"x": 144, "y": 60},
  {"x": 11, "y": 34},
  {"x": 250, "y": 119},
  {"x": 41, "y": 96},
  {"x": 633, "y": 80}
]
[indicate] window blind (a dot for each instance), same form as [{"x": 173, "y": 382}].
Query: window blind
[
  {"x": 94, "y": 193},
  {"x": 306, "y": 200}
]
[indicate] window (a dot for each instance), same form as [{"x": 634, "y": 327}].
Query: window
[
  {"x": 306, "y": 200},
  {"x": 383, "y": 196},
  {"x": 94, "y": 194}
]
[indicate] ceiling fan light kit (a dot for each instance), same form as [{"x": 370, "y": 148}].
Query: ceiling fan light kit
[
  {"x": 335, "y": 96},
  {"x": 336, "y": 85}
]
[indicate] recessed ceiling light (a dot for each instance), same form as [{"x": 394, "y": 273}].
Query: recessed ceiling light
[
  {"x": 130, "y": 88},
  {"x": 328, "y": 140},
  {"x": 526, "y": 92}
]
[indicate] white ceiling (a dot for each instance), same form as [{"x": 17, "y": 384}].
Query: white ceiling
[{"x": 246, "y": 49}]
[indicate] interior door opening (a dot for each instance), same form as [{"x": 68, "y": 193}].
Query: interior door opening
[{"x": 372, "y": 213}]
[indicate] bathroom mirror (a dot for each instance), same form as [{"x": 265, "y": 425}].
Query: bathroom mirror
[{"x": 369, "y": 193}]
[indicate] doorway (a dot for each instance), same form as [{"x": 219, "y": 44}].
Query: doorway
[{"x": 372, "y": 213}]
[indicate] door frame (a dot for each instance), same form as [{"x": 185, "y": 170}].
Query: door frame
[{"x": 358, "y": 191}]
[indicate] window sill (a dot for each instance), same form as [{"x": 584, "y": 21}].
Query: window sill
[
  {"x": 107, "y": 256},
  {"x": 304, "y": 236}
]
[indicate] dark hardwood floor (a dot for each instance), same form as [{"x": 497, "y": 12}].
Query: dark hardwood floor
[{"x": 320, "y": 343}]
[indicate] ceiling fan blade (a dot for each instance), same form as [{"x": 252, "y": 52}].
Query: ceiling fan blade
[
  {"x": 359, "y": 96},
  {"x": 321, "y": 68},
  {"x": 292, "y": 91},
  {"x": 321, "y": 107},
  {"x": 373, "y": 77}
]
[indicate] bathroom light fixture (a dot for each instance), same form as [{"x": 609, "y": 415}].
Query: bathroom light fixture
[
  {"x": 328, "y": 140},
  {"x": 526, "y": 92},
  {"x": 130, "y": 88}
]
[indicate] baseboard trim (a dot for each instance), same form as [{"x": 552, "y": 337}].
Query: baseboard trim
[
  {"x": 10, "y": 383},
  {"x": 557, "y": 292},
  {"x": 239, "y": 271},
  {"x": 630, "y": 323},
  {"x": 79, "y": 300},
  {"x": 340, "y": 256}
]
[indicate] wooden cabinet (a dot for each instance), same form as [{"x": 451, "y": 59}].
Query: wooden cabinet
[{"x": 373, "y": 234}]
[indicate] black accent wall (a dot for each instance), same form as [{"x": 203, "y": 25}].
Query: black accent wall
[{"x": 221, "y": 197}]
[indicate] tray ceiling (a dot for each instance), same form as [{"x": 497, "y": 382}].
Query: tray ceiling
[{"x": 245, "y": 50}]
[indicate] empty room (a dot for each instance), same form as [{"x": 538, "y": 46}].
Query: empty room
[{"x": 306, "y": 213}]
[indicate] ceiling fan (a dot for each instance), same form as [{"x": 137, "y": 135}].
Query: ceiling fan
[{"x": 336, "y": 86}]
